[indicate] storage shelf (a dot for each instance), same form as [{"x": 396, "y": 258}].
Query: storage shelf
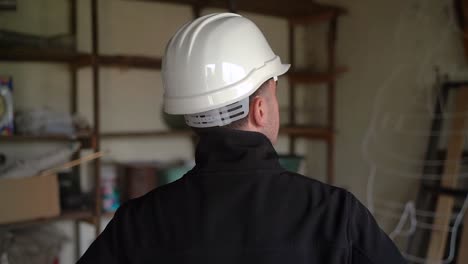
[
  {"x": 86, "y": 139},
  {"x": 140, "y": 134},
  {"x": 122, "y": 61},
  {"x": 296, "y": 10},
  {"x": 79, "y": 59},
  {"x": 132, "y": 61},
  {"x": 67, "y": 215},
  {"x": 41, "y": 55},
  {"x": 309, "y": 77},
  {"x": 442, "y": 154},
  {"x": 298, "y": 131},
  {"x": 320, "y": 17},
  {"x": 321, "y": 133}
]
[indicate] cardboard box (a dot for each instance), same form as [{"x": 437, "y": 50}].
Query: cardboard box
[{"x": 29, "y": 198}]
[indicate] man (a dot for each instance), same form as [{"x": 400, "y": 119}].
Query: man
[{"x": 237, "y": 205}]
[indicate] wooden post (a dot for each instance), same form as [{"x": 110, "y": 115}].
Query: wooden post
[
  {"x": 464, "y": 10},
  {"x": 292, "y": 89},
  {"x": 445, "y": 204},
  {"x": 232, "y": 6},
  {"x": 73, "y": 29},
  {"x": 73, "y": 26},
  {"x": 96, "y": 109},
  {"x": 196, "y": 11},
  {"x": 331, "y": 45}
]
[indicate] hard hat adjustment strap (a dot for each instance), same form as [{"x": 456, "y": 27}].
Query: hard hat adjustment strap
[{"x": 221, "y": 116}]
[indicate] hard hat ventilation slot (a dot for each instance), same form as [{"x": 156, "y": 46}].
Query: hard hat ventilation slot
[
  {"x": 219, "y": 117},
  {"x": 232, "y": 109}
]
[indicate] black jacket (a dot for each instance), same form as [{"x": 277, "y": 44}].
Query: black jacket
[{"x": 238, "y": 205}]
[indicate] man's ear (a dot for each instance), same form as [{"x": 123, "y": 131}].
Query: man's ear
[{"x": 258, "y": 111}]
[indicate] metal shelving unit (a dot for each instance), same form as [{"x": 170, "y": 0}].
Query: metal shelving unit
[{"x": 89, "y": 140}]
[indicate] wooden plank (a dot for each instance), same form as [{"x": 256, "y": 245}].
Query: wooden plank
[
  {"x": 292, "y": 90},
  {"x": 96, "y": 113},
  {"x": 452, "y": 166},
  {"x": 309, "y": 77},
  {"x": 85, "y": 139},
  {"x": 291, "y": 9},
  {"x": 297, "y": 131},
  {"x": 320, "y": 133},
  {"x": 142, "y": 134},
  {"x": 331, "y": 54},
  {"x": 464, "y": 7},
  {"x": 465, "y": 43},
  {"x": 79, "y": 59},
  {"x": 462, "y": 252},
  {"x": 7, "y": 5},
  {"x": 443, "y": 153},
  {"x": 314, "y": 19},
  {"x": 122, "y": 61},
  {"x": 42, "y": 55}
]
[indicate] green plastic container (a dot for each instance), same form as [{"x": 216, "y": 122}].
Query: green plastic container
[
  {"x": 174, "y": 173},
  {"x": 291, "y": 162}
]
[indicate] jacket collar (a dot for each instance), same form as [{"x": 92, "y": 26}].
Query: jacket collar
[{"x": 221, "y": 149}]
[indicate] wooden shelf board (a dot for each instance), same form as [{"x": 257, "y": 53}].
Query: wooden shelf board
[
  {"x": 79, "y": 59},
  {"x": 441, "y": 154},
  {"x": 320, "y": 17},
  {"x": 41, "y": 55},
  {"x": 309, "y": 77},
  {"x": 293, "y": 130},
  {"x": 285, "y": 9},
  {"x": 11, "y": 7},
  {"x": 108, "y": 214},
  {"x": 122, "y": 61},
  {"x": 85, "y": 138},
  {"x": 131, "y": 61},
  {"x": 140, "y": 134},
  {"x": 67, "y": 215},
  {"x": 298, "y": 131},
  {"x": 307, "y": 132}
]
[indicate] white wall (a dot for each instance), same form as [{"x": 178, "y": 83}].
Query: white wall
[{"x": 392, "y": 49}]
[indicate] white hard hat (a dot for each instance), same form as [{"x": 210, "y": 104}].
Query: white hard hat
[{"x": 215, "y": 61}]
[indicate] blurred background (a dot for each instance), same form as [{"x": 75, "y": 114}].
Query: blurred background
[{"x": 376, "y": 103}]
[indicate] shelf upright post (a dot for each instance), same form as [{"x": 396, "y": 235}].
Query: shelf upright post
[
  {"x": 292, "y": 90},
  {"x": 196, "y": 11},
  {"x": 331, "y": 51},
  {"x": 232, "y": 6},
  {"x": 96, "y": 113},
  {"x": 73, "y": 79},
  {"x": 73, "y": 26}
]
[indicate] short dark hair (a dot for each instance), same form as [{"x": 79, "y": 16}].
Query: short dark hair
[{"x": 238, "y": 124}]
